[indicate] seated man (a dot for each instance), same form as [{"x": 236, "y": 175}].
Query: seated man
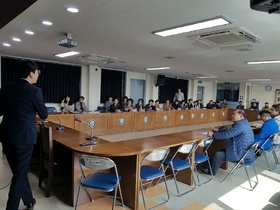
[
  {"x": 176, "y": 105},
  {"x": 269, "y": 127},
  {"x": 80, "y": 105},
  {"x": 129, "y": 106},
  {"x": 254, "y": 107},
  {"x": 240, "y": 137},
  {"x": 210, "y": 105},
  {"x": 240, "y": 105},
  {"x": 266, "y": 107},
  {"x": 108, "y": 103},
  {"x": 150, "y": 106}
]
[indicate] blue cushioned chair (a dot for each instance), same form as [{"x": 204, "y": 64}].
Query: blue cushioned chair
[
  {"x": 246, "y": 163},
  {"x": 99, "y": 181},
  {"x": 203, "y": 157},
  {"x": 177, "y": 163},
  {"x": 263, "y": 151},
  {"x": 149, "y": 173}
]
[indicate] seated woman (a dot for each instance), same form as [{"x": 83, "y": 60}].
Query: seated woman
[
  {"x": 254, "y": 107},
  {"x": 115, "y": 107},
  {"x": 67, "y": 105},
  {"x": 176, "y": 105},
  {"x": 167, "y": 105},
  {"x": 129, "y": 106},
  {"x": 183, "y": 105},
  {"x": 157, "y": 105},
  {"x": 210, "y": 105},
  {"x": 139, "y": 106}
]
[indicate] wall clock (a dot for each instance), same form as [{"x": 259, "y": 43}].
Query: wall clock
[{"x": 268, "y": 88}]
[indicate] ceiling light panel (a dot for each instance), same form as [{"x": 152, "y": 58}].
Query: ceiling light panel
[
  {"x": 157, "y": 68},
  {"x": 16, "y": 39},
  {"x": 67, "y": 54},
  {"x": 258, "y": 80},
  {"x": 262, "y": 62},
  {"x": 29, "y": 32},
  {"x": 72, "y": 9},
  {"x": 199, "y": 25},
  {"x": 48, "y": 23}
]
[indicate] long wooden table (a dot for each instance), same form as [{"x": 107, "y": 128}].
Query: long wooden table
[{"x": 112, "y": 123}]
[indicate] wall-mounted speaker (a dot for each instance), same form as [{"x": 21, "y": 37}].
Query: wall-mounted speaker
[{"x": 160, "y": 80}]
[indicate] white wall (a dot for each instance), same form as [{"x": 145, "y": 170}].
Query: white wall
[
  {"x": 210, "y": 90},
  {"x": 260, "y": 94}
]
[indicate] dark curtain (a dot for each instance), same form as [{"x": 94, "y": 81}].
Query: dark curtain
[
  {"x": 56, "y": 80},
  {"x": 112, "y": 84},
  {"x": 170, "y": 87}
]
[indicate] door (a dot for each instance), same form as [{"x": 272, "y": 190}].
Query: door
[{"x": 137, "y": 89}]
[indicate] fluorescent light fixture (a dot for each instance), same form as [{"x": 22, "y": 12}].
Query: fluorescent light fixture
[
  {"x": 206, "y": 77},
  {"x": 29, "y": 32},
  {"x": 16, "y": 39},
  {"x": 270, "y": 82},
  {"x": 263, "y": 62},
  {"x": 258, "y": 80},
  {"x": 157, "y": 68},
  {"x": 195, "y": 26},
  {"x": 6, "y": 44},
  {"x": 48, "y": 23},
  {"x": 72, "y": 9},
  {"x": 67, "y": 54}
]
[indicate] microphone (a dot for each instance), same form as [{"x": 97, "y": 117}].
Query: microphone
[
  {"x": 91, "y": 124},
  {"x": 60, "y": 127}
]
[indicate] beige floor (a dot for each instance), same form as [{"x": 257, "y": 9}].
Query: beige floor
[{"x": 215, "y": 195}]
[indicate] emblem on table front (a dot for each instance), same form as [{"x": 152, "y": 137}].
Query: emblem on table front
[
  {"x": 165, "y": 118},
  {"x": 92, "y": 123},
  {"x": 181, "y": 117},
  {"x": 121, "y": 121},
  {"x": 146, "y": 119}
]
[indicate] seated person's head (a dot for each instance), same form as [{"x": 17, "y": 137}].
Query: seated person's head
[
  {"x": 240, "y": 102},
  {"x": 151, "y": 102},
  {"x": 275, "y": 110},
  {"x": 176, "y": 102},
  {"x": 167, "y": 101},
  {"x": 140, "y": 101},
  {"x": 157, "y": 102},
  {"x": 238, "y": 115},
  {"x": 266, "y": 104},
  {"x": 265, "y": 115},
  {"x": 116, "y": 101},
  {"x": 130, "y": 101},
  {"x": 81, "y": 99},
  {"x": 110, "y": 98}
]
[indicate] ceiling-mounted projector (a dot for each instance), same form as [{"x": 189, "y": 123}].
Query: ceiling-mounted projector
[{"x": 68, "y": 41}]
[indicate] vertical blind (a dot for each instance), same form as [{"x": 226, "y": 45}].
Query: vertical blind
[{"x": 55, "y": 80}]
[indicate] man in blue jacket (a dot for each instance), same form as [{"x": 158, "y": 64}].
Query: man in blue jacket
[
  {"x": 240, "y": 137},
  {"x": 269, "y": 127}
]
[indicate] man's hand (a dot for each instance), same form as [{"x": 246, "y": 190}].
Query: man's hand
[{"x": 210, "y": 133}]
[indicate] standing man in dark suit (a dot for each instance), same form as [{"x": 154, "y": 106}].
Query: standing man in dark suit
[{"x": 19, "y": 102}]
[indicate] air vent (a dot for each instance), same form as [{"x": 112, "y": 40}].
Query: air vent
[
  {"x": 226, "y": 37},
  {"x": 94, "y": 58}
]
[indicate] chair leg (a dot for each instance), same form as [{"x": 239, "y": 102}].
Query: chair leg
[
  {"x": 142, "y": 192},
  {"x": 77, "y": 199},
  {"x": 48, "y": 186},
  {"x": 275, "y": 157},
  {"x": 249, "y": 180},
  {"x": 231, "y": 172},
  {"x": 120, "y": 190}
]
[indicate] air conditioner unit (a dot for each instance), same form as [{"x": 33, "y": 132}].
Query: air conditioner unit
[{"x": 226, "y": 37}]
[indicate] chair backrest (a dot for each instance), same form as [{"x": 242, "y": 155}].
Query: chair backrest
[
  {"x": 46, "y": 143},
  {"x": 157, "y": 155},
  {"x": 205, "y": 142},
  {"x": 51, "y": 109},
  {"x": 96, "y": 163},
  {"x": 187, "y": 148},
  {"x": 273, "y": 137},
  {"x": 252, "y": 148}
]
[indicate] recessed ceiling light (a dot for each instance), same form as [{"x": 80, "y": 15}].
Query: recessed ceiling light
[
  {"x": 67, "y": 54},
  {"x": 6, "y": 44},
  {"x": 29, "y": 32},
  {"x": 16, "y": 39},
  {"x": 258, "y": 80},
  {"x": 195, "y": 26},
  {"x": 48, "y": 23},
  {"x": 72, "y": 9},
  {"x": 157, "y": 68},
  {"x": 263, "y": 62}
]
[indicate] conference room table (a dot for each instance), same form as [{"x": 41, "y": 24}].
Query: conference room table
[{"x": 128, "y": 154}]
